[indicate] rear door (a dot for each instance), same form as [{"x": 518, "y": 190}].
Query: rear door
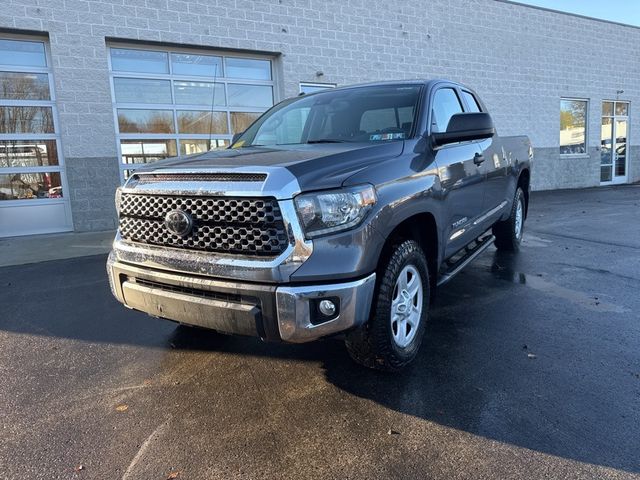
[{"x": 461, "y": 179}]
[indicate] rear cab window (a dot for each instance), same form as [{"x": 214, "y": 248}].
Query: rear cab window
[{"x": 472, "y": 103}]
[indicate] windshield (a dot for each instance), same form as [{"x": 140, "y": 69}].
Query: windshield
[{"x": 363, "y": 114}]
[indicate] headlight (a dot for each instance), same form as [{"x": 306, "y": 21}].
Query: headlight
[{"x": 334, "y": 211}]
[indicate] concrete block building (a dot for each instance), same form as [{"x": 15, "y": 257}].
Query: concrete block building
[{"x": 92, "y": 89}]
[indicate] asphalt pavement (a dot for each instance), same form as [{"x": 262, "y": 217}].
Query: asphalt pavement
[{"x": 530, "y": 368}]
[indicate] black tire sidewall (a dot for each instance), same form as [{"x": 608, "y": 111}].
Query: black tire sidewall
[{"x": 407, "y": 253}]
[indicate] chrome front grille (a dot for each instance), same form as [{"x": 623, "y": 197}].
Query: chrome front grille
[{"x": 249, "y": 226}]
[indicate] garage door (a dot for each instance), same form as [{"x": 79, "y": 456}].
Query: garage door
[
  {"x": 169, "y": 102},
  {"x": 33, "y": 188}
]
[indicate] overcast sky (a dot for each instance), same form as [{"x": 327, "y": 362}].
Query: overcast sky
[{"x": 624, "y": 11}]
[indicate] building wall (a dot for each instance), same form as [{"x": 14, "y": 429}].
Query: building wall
[{"x": 521, "y": 61}]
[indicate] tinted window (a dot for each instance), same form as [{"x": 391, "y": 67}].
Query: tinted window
[
  {"x": 472, "y": 103},
  {"x": 365, "y": 114},
  {"x": 445, "y": 105}
]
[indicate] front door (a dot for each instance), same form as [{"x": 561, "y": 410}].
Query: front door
[
  {"x": 461, "y": 174},
  {"x": 613, "y": 143}
]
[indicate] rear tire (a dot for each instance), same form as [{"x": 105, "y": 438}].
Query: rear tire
[
  {"x": 391, "y": 338},
  {"x": 508, "y": 233}
]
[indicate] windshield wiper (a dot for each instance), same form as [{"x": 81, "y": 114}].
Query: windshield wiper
[{"x": 326, "y": 140}]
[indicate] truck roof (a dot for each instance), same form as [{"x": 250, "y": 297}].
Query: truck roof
[{"x": 426, "y": 82}]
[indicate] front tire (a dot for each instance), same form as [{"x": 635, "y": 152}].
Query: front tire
[
  {"x": 392, "y": 337},
  {"x": 508, "y": 233}
]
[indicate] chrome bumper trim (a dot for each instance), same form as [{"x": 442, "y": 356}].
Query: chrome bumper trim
[
  {"x": 291, "y": 313},
  {"x": 294, "y": 317}
]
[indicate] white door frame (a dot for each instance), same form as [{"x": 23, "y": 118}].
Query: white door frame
[{"x": 620, "y": 179}]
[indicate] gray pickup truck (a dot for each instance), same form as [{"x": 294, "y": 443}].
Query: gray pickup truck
[{"x": 334, "y": 213}]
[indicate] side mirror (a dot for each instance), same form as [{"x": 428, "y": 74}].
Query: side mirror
[
  {"x": 464, "y": 127},
  {"x": 235, "y": 137}
]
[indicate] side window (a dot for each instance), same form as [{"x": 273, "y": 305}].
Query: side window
[
  {"x": 472, "y": 103},
  {"x": 445, "y": 105}
]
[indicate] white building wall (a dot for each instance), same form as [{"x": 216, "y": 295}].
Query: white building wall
[{"x": 521, "y": 60}]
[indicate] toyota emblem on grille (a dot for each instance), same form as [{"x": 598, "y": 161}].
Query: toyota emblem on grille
[{"x": 178, "y": 222}]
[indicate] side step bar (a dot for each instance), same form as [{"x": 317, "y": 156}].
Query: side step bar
[{"x": 469, "y": 255}]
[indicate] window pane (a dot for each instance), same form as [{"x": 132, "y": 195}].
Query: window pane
[
  {"x": 145, "y": 121},
  {"x": 445, "y": 105},
  {"x": 198, "y": 93},
  {"x": 622, "y": 108},
  {"x": 250, "y": 95},
  {"x": 28, "y": 153},
  {"x": 248, "y": 68},
  {"x": 23, "y": 186},
  {"x": 146, "y": 61},
  {"x": 26, "y": 120},
  {"x": 240, "y": 121},
  {"x": 621, "y": 148},
  {"x": 139, "y": 90},
  {"x": 24, "y": 86},
  {"x": 606, "y": 141},
  {"x": 202, "y": 122},
  {"x": 607, "y": 109},
  {"x": 20, "y": 52},
  {"x": 198, "y": 65},
  {"x": 187, "y": 147},
  {"x": 146, "y": 151},
  {"x": 472, "y": 103},
  {"x": 573, "y": 116}
]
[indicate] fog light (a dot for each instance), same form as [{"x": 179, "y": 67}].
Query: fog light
[{"x": 327, "y": 308}]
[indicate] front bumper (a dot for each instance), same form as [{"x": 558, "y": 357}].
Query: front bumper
[{"x": 271, "y": 312}]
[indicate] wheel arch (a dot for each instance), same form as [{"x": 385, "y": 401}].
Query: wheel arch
[
  {"x": 524, "y": 182},
  {"x": 422, "y": 228}
]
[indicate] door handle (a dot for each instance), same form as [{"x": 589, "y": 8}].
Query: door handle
[{"x": 478, "y": 158}]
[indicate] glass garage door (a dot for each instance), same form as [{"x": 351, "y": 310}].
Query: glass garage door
[
  {"x": 169, "y": 102},
  {"x": 33, "y": 190}
]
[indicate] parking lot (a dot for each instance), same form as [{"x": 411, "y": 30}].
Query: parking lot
[{"x": 530, "y": 368}]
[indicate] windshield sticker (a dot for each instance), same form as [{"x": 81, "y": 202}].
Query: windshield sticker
[{"x": 386, "y": 136}]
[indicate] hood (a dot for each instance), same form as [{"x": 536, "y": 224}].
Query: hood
[{"x": 315, "y": 166}]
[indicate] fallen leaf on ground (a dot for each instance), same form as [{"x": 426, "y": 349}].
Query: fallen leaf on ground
[{"x": 122, "y": 408}]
